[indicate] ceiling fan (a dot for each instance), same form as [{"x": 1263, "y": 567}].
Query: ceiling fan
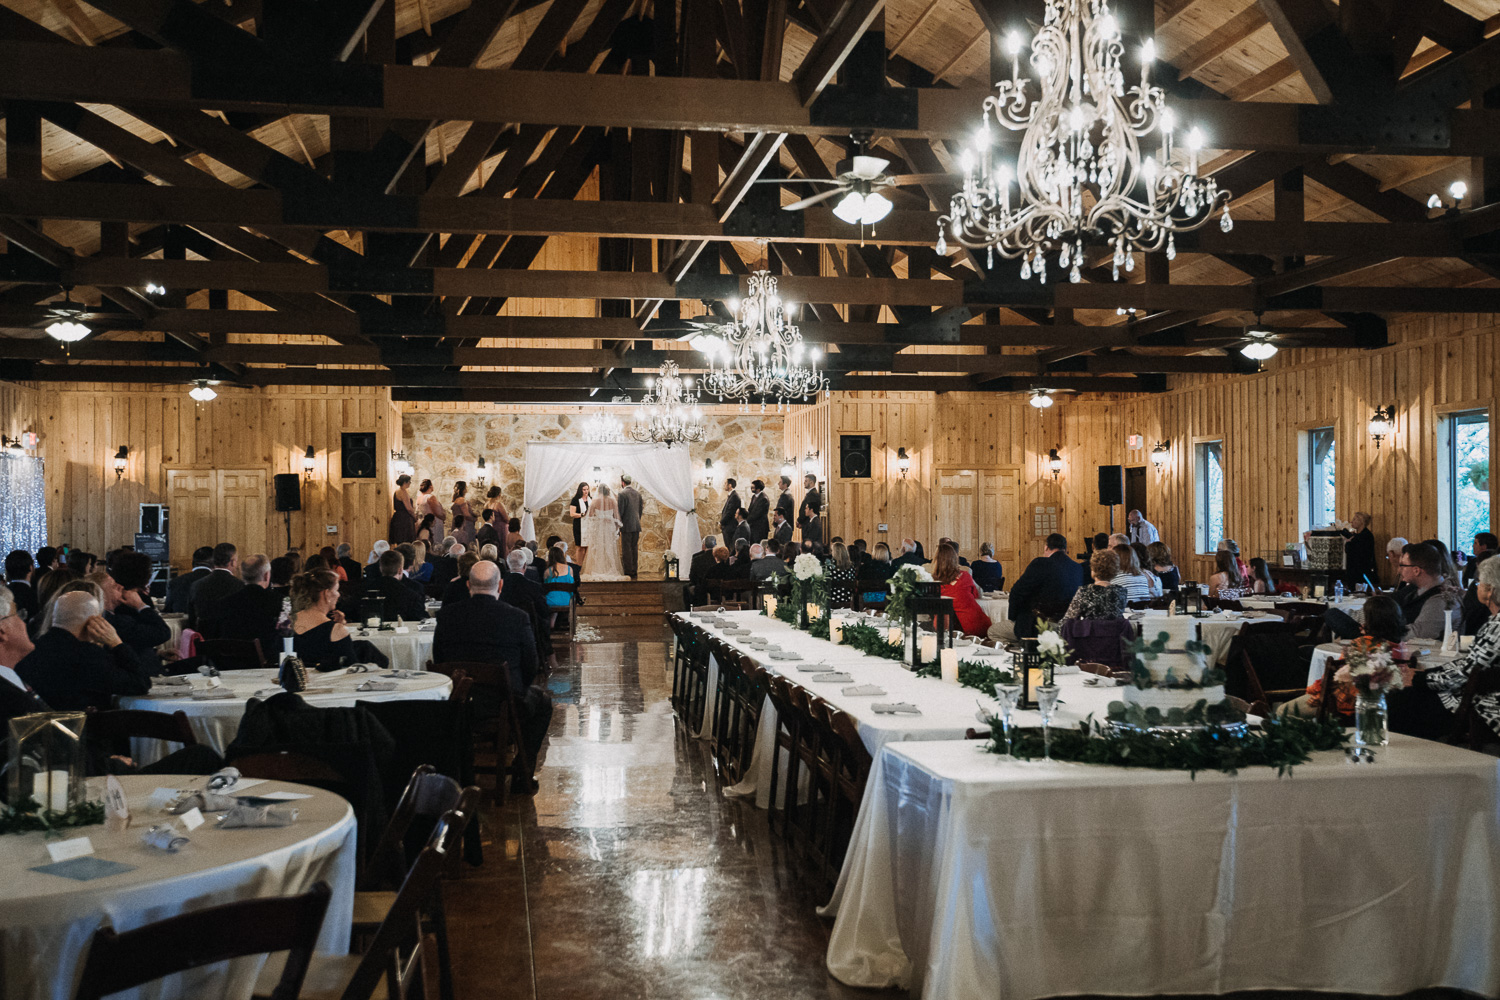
[
  {"x": 858, "y": 184},
  {"x": 1255, "y": 341}
]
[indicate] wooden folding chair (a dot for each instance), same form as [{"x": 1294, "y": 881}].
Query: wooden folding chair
[{"x": 504, "y": 729}]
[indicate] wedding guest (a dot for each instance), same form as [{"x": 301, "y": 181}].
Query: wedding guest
[
  {"x": 1447, "y": 682},
  {"x": 909, "y": 554},
  {"x": 495, "y": 500},
  {"x": 1260, "y": 577},
  {"x": 1119, "y": 538},
  {"x": 726, "y": 513},
  {"x": 47, "y": 589},
  {"x": 204, "y": 614},
  {"x": 1048, "y": 585},
  {"x": 428, "y": 505},
  {"x": 880, "y": 569},
  {"x": 403, "y": 526},
  {"x": 1159, "y": 558},
  {"x": 781, "y": 527},
  {"x": 424, "y": 529},
  {"x": 695, "y": 591},
  {"x": 786, "y": 506},
  {"x": 130, "y": 611},
  {"x": 1451, "y": 576},
  {"x": 46, "y": 562},
  {"x": 765, "y": 561},
  {"x": 810, "y": 513},
  {"x": 180, "y": 589},
  {"x": 945, "y": 540},
  {"x": 1141, "y": 530},
  {"x": 398, "y": 600},
  {"x": 722, "y": 569},
  {"x": 320, "y": 637},
  {"x": 526, "y": 595},
  {"x": 18, "y": 568},
  {"x": 559, "y": 570},
  {"x": 1131, "y": 578},
  {"x": 457, "y": 588},
  {"x": 860, "y": 553},
  {"x": 1359, "y": 547},
  {"x": 1227, "y": 575},
  {"x": 1143, "y": 560},
  {"x": 372, "y": 562},
  {"x": 487, "y": 534},
  {"x": 421, "y": 569},
  {"x": 1428, "y": 600},
  {"x": 1233, "y": 548},
  {"x": 444, "y": 569},
  {"x": 959, "y": 585},
  {"x": 462, "y": 525},
  {"x": 81, "y": 662},
  {"x": 1384, "y": 621},
  {"x": 1485, "y": 546},
  {"x": 81, "y": 562},
  {"x": 986, "y": 569},
  {"x": 1103, "y": 599},
  {"x": 16, "y": 698},
  {"x": 741, "y": 562},
  {"x": 512, "y": 534},
  {"x": 254, "y": 611},
  {"x": 44, "y": 619},
  {"x": 330, "y": 562},
  {"x": 742, "y": 528},
  {"x": 759, "y": 511},
  {"x": 841, "y": 574},
  {"x": 343, "y": 554}
]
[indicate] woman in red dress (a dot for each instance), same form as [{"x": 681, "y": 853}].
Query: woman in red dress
[{"x": 959, "y": 585}]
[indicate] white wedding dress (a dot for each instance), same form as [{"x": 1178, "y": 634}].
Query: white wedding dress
[{"x": 601, "y": 534}]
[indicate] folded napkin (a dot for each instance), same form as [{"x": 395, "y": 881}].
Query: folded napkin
[
  {"x": 225, "y": 777},
  {"x": 895, "y": 708},
  {"x": 209, "y": 802},
  {"x": 165, "y": 837},
  {"x": 213, "y": 694},
  {"x": 361, "y": 668},
  {"x": 833, "y": 677},
  {"x": 242, "y": 816},
  {"x": 860, "y": 690},
  {"x": 788, "y": 657},
  {"x": 407, "y": 675},
  {"x": 812, "y": 668},
  {"x": 175, "y": 680},
  {"x": 378, "y": 686}
]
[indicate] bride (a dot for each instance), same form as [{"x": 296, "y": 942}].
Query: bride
[{"x": 601, "y": 535}]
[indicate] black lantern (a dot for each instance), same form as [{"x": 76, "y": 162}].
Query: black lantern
[
  {"x": 669, "y": 562},
  {"x": 1031, "y": 671},
  {"x": 1192, "y": 597}
]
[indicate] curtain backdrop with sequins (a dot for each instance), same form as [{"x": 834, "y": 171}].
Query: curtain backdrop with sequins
[{"x": 23, "y": 515}]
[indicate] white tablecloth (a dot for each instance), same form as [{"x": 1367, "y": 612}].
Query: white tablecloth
[
  {"x": 998, "y": 609},
  {"x": 1431, "y": 656},
  {"x": 969, "y": 876},
  {"x": 46, "y": 921},
  {"x": 175, "y": 622},
  {"x": 409, "y": 651},
  {"x": 1218, "y": 631},
  {"x": 215, "y": 723}
]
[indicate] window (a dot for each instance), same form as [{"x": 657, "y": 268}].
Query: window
[
  {"x": 1208, "y": 461},
  {"x": 1464, "y": 477},
  {"x": 1316, "y": 466}
]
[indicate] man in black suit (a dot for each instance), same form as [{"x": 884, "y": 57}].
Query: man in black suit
[
  {"x": 400, "y": 601},
  {"x": 811, "y": 509},
  {"x": 80, "y": 661},
  {"x": 785, "y": 504},
  {"x": 253, "y": 611},
  {"x": 741, "y": 528},
  {"x": 444, "y": 569},
  {"x": 759, "y": 513},
  {"x": 180, "y": 589},
  {"x": 695, "y": 590},
  {"x": 527, "y": 595},
  {"x": 781, "y": 526},
  {"x": 344, "y": 554},
  {"x": 484, "y": 629},
  {"x": 18, "y": 566},
  {"x": 487, "y": 535},
  {"x": 731, "y": 504},
  {"x": 15, "y": 645},
  {"x": 130, "y": 612},
  {"x": 1046, "y": 588},
  {"x": 204, "y": 604}
]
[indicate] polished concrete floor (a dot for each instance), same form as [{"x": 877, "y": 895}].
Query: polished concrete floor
[{"x": 629, "y": 874}]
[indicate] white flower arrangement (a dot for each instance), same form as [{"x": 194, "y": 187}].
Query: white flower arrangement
[
  {"x": 909, "y": 573},
  {"x": 807, "y": 567},
  {"x": 1050, "y": 645}
]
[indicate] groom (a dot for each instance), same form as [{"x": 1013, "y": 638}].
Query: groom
[{"x": 630, "y": 525}]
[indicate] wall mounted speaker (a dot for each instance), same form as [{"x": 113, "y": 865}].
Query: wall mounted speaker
[
  {"x": 854, "y": 456},
  {"x": 288, "y": 491},
  {"x": 358, "y": 456}
]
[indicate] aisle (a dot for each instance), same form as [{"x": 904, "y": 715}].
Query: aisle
[{"x": 629, "y": 875}]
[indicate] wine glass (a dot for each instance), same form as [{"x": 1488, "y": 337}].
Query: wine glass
[
  {"x": 1008, "y": 695},
  {"x": 1046, "y": 701}
]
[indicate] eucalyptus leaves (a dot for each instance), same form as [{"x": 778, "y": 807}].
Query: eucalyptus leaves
[
  {"x": 903, "y": 586},
  {"x": 28, "y": 816}
]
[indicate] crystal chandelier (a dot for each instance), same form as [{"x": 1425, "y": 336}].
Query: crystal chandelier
[
  {"x": 1079, "y": 176},
  {"x": 669, "y": 414},
  {"x": 760, "y": 353},
  {"x": 602, "y": 428}
]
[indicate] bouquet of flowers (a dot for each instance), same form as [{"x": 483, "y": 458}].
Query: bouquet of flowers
[
  {"x": 1370, "y": 665},
  {"x": 903, "y": 588},
  {"x": 807, "y": 566},
  {"x": 1050, "y": 645}
]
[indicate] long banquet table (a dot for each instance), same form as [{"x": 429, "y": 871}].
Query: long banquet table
[{"x": 971, "y": 875}]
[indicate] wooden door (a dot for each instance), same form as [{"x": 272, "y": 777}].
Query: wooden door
[
  {"x": 957, "y": 513},
  {"x": 1000, "y": 515},
  {"x": 216, "y": 505},
  {"x": 244, "y": 508}
]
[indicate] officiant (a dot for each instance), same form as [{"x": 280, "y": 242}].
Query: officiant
[{"x": 630, "y": 525}]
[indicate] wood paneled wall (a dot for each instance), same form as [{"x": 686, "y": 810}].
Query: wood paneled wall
[
  {"x": 82, "y": 424},
  {"x": 18, "y": 408}
]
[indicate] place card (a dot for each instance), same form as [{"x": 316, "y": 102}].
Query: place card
[
  {"x": 861, "y": 690},
  {"x": 84, "y": 869},
  {"x": 192, "y": 819},
  {"x": 116, "y": 811},
  {"x": 402, "y": 630},
  {"x": 63, "y": 850}
]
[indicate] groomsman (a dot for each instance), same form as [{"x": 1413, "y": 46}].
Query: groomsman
[
  {"x": 630, "y": 525},
  {"x": 759, "y": 514},
  {"x": 741, "y": 527},
  {"x": 812, "y": 506},
  {"x": 786, "y": 506},
  {"x": 731, "y": 504},
  {"x": 782, "y": 527}
]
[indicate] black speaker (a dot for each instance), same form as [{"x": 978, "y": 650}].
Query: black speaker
[
  {"x": 358, "y": 456},
  {"x": 854, "y": 456},
  {"x": 288, "y": 491},
  {"x": 1111, "y": 485}
]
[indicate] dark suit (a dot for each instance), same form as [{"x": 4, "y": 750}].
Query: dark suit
[
  {"x": 25, "y": 599},
  {"x": 398, "y": 599},
  {"x": 783, "y": 534},
  {"x": 698, "y": 568},
  {"x": 352, "y": 570},
  {"x": 487, "y": 535},
  {"x": 252, "y": 613},
  {"x": 1047, "y": 588},
  {"x": 204, "y": 612},
  {"x": 444, "y": 569},
  {"x": 15, "y": 702},
  {"x": 787, "y": 506},
  {"x": 759, "y": 516},
  {"x": 741, "y": 530},
  {"x": 71, "y": 675},
  {"x": 456, "y": 591},
  {"x": 180, "y": 590},
  {"x": 526, "y": 595},
  {"x": 142, "y": 631},
  {"x": 726, "y": 516}
]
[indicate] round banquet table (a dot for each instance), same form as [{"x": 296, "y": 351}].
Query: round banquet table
[
  {"x": 1432, "y": 655},
  {"x": 47, "y": 921},
  {"x": 406, "y": 650},
  {"x": 215, "y": 722},
  {"x": 997, "y": 607},
  {"x": 175, "y": 622}
]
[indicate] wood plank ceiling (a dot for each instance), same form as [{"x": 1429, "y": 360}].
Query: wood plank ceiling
[{"x": 520, "y": 201}]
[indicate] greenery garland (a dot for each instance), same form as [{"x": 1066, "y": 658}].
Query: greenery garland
[
  {"x": 1281, "y": 742},
  {"x": 28, "y": 816},
  {"x": 871, "y": 640},
  {"x": 972, "y": 674}
]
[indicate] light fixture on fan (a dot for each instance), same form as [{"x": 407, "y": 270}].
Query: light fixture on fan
[
  {"x": 65, "y": 326},
  {"x": 122, "y": 458},
  {"x": 1080, "y": 177},
  {"x": 760, "y": 353},
  {"x": 1041, "y": 398},
  {"x": 1054, "y": 462},
  {"x": 602, "y": 428},
  {"x": 1259, "y": 347},
  {"x": 862, "y": 207},
  {"x": 202, "y": 390},
  {"x": 669, "y": 413}
]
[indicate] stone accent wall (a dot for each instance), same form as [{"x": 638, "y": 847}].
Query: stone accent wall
[{"x": 443, "y": 446}]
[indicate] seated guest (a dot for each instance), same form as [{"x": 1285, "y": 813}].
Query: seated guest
[
  {"x": 331, "y": 562},
  {"x": 399, "y": 600},
  {"x": 18, "y": 574},
  {"x": 1131, "y": 578},
  {"x": 1233, "y": 548},
  {"x": 130, "y": 611},
  {"x": 46, "y": 562},
  {"x": 695, "y": 591},
  {"x": 1143, "y": 560},
  {"x": 15, "y": 645},
  {"x": 485, "y": 629},
  {"x": 1119, "y": 538},
  {"x": 1384, "y": 621},
  {"x": 319, "y": 636},
  {"x": 458, "y": 588},
  {"x": 487, "y": 534},
  {"x": 1260, "y": 577},
  {"x": 44, "y": 620},
  {"x": 1393, "y": 550},
  {"x": 1160, "y": 559},
  {"x": 80, "y": 562},
  {"x": 180, "y": 588},
  {"x": 512, "y": 534},
  {"x": 421, "y": 570},
  {"x": 538, "y": 568},
  {"x": 840, "y": 573},
  {"x": 444, "y": 571},
  {"x": 1102, "y": 599},
  {"x": 47, "y": 588},
  {"x": 204, "y": 612},
  {"x": 767, "y": 562},
  {"x": 425, "y": 528},
  {"x": 1443, "y": 686},
  {"x": 352, "y": 570},
  {"x": 1046, "y": 588},
  {"x": 254, "y": 611},
  {"x": 1451, "y": 575},
  {"x": 559, "y": 570},
  {"x": 80, "y": 661},
  {"x": 911, "y": 554},
  {"x": 283, "y": 568},
  {"x": 948, "y": 541},
  {"x": 742, "y": 559},
  {"x": 316, "y": 562},
  {"x": 372, "y": 561},
  {"x": 986, "y": 570},
  {"x": 1472, "y": 611},
  {"x": 879, "y": 568},
  {"x": 408, "y": 553},
  {"x": 1227, "y": 577},
  {"x": 489, "y": 553},
  {"x": 860, "y": 553},
  {"x": 721, "y": 570},
  {"x": 1428, "y": 601},
  {"x": 520, "y": 592},
  {"x": 959, "y": 585},
  {"x": 1485, "y": 545}
]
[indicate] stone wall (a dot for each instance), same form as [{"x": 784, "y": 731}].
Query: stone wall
[{"x": 443, "y": 446}]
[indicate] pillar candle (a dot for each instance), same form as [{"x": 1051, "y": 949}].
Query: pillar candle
[
  {"x": 372, "y": 622},
  {"x": 771, "y": 605},
  {"x": 836, "y": 630},
  {"x": 56, "y": 798},
  {"x": 929, "y": 647},
  {"x": 812, "y": 611},
  {"x": 286, "y": 644},
  {"x": 894, "y": 635},
  {"x": 949, "y": 661}
]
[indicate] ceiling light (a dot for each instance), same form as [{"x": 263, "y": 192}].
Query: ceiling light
[
  {"x": 67, "y": 331},
  {"x": 1041, "y": 398},
  {"x": 201, "y": 390},
  {"x": 1260, "y": 347},
  {"x": 851, "y": 208},
  {"x": 669, "y": 413},
  {"x": 1433, "y": 201},
  {"x": 1458, "y": 189}
]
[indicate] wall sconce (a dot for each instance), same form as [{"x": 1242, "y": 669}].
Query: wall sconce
[
  {"x": 308, "y": 461},
  {"x": 903, "y": 462},
  {"x": 789, "y": 467},
  {"x": 1054, "y": 462},
  {"x": 121, "y": 457},
  {"x": 399, "y": 465},
  {"x": 810, "y": 463},
  {"x": 1382, "y": 423},
  {"x": 1159, "y": 454},
  {"x": 708, "y": 473},
  {"x": 479, "y": 473}
]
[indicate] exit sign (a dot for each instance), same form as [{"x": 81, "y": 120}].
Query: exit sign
[{"x": 1134, "y": 442}]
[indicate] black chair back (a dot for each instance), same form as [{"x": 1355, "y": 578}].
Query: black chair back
[{"x": 233, "y": 654}]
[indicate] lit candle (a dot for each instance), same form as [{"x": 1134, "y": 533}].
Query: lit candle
[
  {"x": 771, "y": 605},
  {"x": 929, "y": 647},
  {"x": 894, "y": 635},
  {"x": 949, "y": 663},
  {"x": 836, "y": 630},
  {"x": 57, "y": 791},
  {"x": 372, "y": 622},
  {"x": 812, "y": 611}
]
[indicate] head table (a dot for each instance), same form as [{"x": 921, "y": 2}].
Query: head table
[
  {"x": 970, "y": 875},
  {"x": 47, "y": 920}
]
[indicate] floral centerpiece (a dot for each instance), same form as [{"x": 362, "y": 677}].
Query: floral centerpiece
[
  {"x": 1371, "y": 666},
  {"x": 904, "y": 585},
  {"x": 1050, "y": 647},
  {"x": 807, "y": 571}
]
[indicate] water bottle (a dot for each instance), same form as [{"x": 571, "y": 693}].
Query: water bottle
[{"x": 1338, "y": 590}]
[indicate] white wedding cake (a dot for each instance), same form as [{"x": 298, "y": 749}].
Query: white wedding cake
[{"x": 1176, "y": 688}]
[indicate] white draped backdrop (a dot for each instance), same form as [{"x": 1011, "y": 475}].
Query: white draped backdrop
[{"x": 555, "y": 468}]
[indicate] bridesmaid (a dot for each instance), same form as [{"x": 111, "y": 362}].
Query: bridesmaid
[
  {"x": 403, "y": 526},
  {"x": 495, "y": 502},
  {"x": 463, "y": 517},
  {"x": 428, "y": 503}
]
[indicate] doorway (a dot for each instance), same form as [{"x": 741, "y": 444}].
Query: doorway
[
  {"x": 1135, "y": 490},
  {"x": 217, "y": 505},
  {"x": 979, "y": 505}
]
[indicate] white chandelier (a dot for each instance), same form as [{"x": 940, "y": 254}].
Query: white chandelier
[
  {"x": 760, "y": 353},
  {"x": 669, "y": 414},
  {"x": 602, "y": 428},
  {"x": 1079, "y": 176}
]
